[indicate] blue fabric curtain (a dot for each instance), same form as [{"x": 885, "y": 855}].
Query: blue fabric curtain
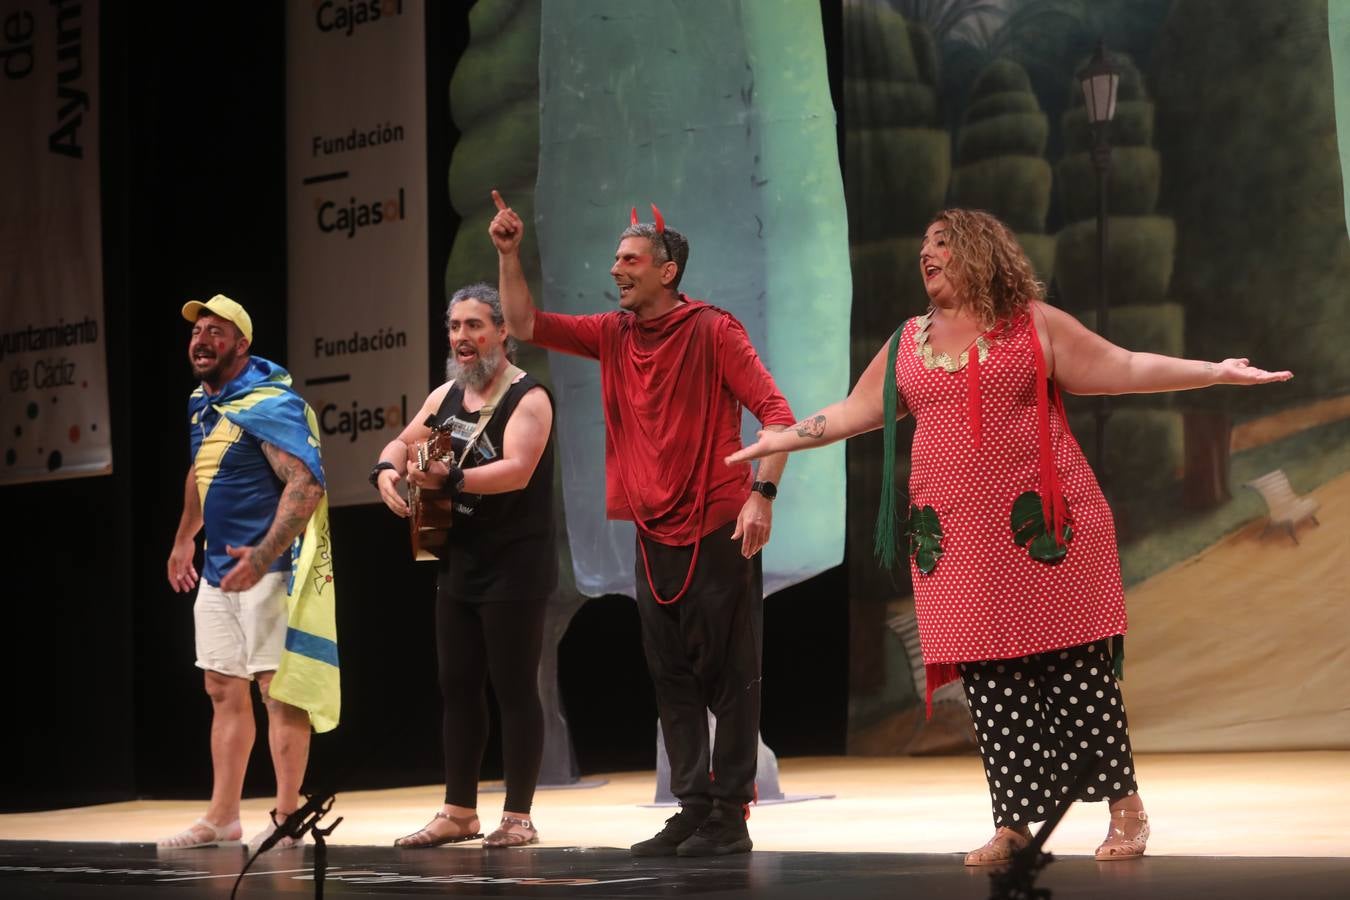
[{"x": 720, "y": 113}]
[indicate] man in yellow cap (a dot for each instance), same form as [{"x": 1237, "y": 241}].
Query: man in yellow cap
[
  {"x": 222, "y": 307},
  {"x": 255, "y": 484}
]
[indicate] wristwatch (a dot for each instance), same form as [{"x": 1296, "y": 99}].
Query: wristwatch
[
  {"x": 380, "y": 467},
  {"x": 767, "y": 489}
]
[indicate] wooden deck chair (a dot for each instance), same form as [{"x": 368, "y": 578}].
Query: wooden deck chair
[
  {"x": 905, "y": 624},
  {"x": 1286, "y": 508}
]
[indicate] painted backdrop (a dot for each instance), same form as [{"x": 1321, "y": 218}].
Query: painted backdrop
[{"x": 1227, "y": 238}]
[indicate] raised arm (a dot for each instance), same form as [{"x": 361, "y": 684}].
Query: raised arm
[
  {"x": 182, "y": 574},
  {"x": 858, "y": 413},
  {"x": 299, "y": 497},
  {"x": 506, "y": 231},
  {"x": 1084, "y": 362}
]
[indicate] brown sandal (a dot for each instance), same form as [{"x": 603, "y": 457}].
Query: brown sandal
[
  {"x": 504, "y": 838},
  {"x": 424, "y": 837}
]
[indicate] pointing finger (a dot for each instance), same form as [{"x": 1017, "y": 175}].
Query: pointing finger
[{"x": 497, "y": 199}]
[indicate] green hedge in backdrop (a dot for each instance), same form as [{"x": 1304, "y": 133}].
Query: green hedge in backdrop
[{"x": 1252, "y": 175}]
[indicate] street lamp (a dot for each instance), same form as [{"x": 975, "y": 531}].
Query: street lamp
[{"x": 1099, "y": 81}]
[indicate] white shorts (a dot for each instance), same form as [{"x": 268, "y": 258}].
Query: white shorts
[{"x": 241, "y": 633}]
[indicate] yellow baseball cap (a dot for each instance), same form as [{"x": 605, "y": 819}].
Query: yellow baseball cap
[{"x": 222, "y": 306}]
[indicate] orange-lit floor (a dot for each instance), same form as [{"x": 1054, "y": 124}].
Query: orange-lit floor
[{"x": 1241, "y": 804}]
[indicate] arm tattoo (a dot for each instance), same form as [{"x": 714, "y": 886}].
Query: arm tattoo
[
  {"x": 298, "y": 499},
  {"x": 813, "y": 427}
]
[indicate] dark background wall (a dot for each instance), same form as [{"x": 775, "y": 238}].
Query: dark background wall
[{"x": 105, "y": 702}]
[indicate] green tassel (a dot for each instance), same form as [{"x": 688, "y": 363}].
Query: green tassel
[
  {"x": 1118, "y": 656},
  {"x": 885, "y": 537}
]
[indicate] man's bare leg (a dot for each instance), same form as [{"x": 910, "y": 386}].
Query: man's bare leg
[
  {"x": 288, "y": 739},
  {"x": 232, "y": 734}
]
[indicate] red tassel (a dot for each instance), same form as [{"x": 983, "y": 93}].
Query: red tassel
[
  {"x": 973, "y": 393},
  {"x": 659, "y": 219},
  {"x": 632, "y": 217},
  {"x": 1052, "y": 500},
  {"x": 1061, "y": 508},
  {"x": 935, "y": 675},
  {"x": 973, "y": 380}
]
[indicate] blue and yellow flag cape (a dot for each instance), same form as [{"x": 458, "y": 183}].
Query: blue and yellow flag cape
[{"x": 267, "y": 407}]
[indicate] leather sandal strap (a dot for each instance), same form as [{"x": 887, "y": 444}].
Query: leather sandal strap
[
  {"x": 1008, "y": 833},
  {"x": 523, "y": 823},
  {"x": 1140, "y": 815},
  {"x": 424, "y": 836}
]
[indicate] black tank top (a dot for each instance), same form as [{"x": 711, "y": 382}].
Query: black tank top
[{"x": 501, "y": 545}]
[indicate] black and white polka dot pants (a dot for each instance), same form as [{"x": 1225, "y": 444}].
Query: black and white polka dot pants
[{"x": 1037, "y": 717}]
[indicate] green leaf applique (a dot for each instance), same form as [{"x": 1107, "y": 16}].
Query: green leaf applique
[
  {"x": 1030, "y": 531},
  {"x": 925, "y": 537}
]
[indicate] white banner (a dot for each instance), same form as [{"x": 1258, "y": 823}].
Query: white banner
[
  {"x": 54, "y": 411},
  {"x": 356, "y": 225}
]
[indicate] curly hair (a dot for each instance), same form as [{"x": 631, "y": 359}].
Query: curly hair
[{"x": 988, "y": 266}]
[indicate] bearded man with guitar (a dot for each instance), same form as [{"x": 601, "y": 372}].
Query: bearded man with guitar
[{"x": 486, "y": 460}]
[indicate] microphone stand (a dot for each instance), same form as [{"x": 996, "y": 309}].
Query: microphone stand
[
  {"x": 1018, "y": 880},
  {"x": 305, "y": 819}
]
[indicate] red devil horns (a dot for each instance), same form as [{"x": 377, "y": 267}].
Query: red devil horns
[{"x": 656, "y": 216}]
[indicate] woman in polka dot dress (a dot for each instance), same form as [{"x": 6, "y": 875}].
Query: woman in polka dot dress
[{"x": 1013, "y": 550}]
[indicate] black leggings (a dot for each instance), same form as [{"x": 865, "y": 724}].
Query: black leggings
[
  {"x": 503, "y": 639},
  {"x": 1037, "y": 717}
]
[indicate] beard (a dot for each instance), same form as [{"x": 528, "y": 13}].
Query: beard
[
  {"x": 474, "y": 374},
  {"x": 215, "y": 367}
]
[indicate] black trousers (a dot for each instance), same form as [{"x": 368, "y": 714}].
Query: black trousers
[
  {"x": 503, "y": 639},
  {"x": 1039, "y": 719},
  {"x": 703, "y": 653}
]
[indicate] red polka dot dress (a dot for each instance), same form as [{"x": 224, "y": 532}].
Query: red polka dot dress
[{"x": 987, "y": 598}]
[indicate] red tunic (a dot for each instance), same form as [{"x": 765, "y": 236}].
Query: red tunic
[
  {"x": 672, "y": 389},
  {"x": 987, "y": 598}
]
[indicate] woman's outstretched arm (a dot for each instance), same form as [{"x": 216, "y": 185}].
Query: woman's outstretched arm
[
  {"x": 1084, "y": 362},
  {"x": 860, "y": 412}
]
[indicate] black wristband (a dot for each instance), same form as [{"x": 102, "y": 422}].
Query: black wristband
[
  {"x": 378, "y": 468},
  {"x": 454, "y": 481}
]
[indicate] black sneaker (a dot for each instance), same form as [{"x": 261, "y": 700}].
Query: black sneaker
[
  {"x": 678, "y": 829},
  {"x": 722, "y": 833}
]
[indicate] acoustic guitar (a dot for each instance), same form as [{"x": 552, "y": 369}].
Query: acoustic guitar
[{"x": 429, "y": 524}]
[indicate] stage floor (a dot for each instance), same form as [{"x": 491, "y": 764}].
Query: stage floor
[
  {"x": 892, "y": 825},
  {"x": 107, "y": 871}
]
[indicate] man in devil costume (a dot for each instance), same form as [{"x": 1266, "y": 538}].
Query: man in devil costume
[{"x": 675, "y": 373}]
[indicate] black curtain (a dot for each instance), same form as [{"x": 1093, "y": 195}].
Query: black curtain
[{"x": 105, "y": 701}]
